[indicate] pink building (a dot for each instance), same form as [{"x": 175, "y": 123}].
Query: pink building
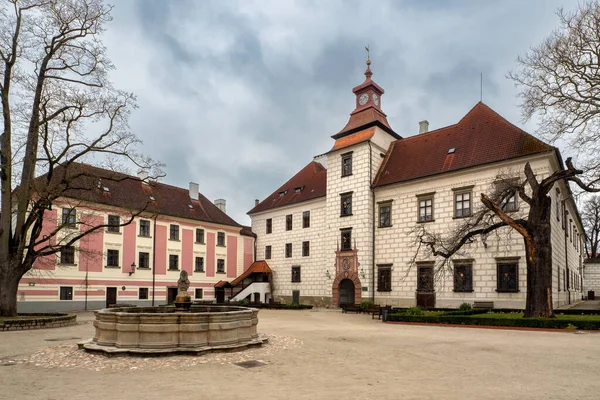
[{"x": 171, "y": 229}]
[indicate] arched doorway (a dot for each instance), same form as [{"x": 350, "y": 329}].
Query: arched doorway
[{"x": 346, "y": 292}]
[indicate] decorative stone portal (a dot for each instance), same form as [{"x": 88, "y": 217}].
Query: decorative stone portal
[{"x": 347, "y": 288}]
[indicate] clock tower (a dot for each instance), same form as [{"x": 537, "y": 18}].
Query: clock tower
[{"x": 368, "y": 111}]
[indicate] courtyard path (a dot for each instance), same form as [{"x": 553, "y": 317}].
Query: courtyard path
[{"x": 315, "y": 355}]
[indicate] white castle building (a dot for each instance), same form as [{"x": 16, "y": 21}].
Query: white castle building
[{"x": 341, "y": 230}]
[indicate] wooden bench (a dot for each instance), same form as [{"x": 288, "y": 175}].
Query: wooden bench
[
  {"x": 352, "y": 308},
  {"x": 483, "y": 304},
  {"x": 379, "y": 312}
]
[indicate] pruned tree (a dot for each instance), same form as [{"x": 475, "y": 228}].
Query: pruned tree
[
  {"x": 559, "y": 83},
  {"x": 591, "y": 223},
  {"x": 59, "y": 109}
]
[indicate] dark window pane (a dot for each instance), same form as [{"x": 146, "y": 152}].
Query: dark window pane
[
  {"x": 426, "y": 209},
  {"x": 384, "y": 279},
  {"x": 113, "y": 223},
  {"x": 346, "y": 204},
  {"x": 174, "y": 232},
  {"x": 305, "y": 249},
  {"x": 267, "y": 252},
  {"x": 507, "y": 275},
  {"x": 144, "y": 228},
  {"x": 288, "y": 250},
  {"x": 288, "y": 222},
  {"x": 385, "y": 215},
  {"x": 462, "y": 205},
  {"x": 306, "y": 219},
  {"x": 67, "y": 255},
  {"x": 112, "y": 258},
  {"x": 220, "y": 265},
  {"x": 69, "y": 217},
  {"x": 347, "y": 164},
  {"x": 200, "y": 264},
  {"x": 295, "y": 274},
  {"x": 269, "y": 225},
  {"x": 144, "y": 260},
  {"x": 198, "y": 293},
  {"x": 221, "y": 239},
  {"x": 143, "y": 294},
  {"x": 199, "y": 235},
  {"x": 346, "y": 239},
  {"x": 173, "y": 261},
  {"x": 425, "y": 279},
  {"x": 463, "y": 278}
]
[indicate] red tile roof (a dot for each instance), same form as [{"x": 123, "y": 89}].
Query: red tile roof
[
  {"x": 480, "y": 137},
  {"x": 311, "y": 182},
  {"x": 365, "y": 118},
  {"x": 247, "y": 231},
  {"x": 257, "y": 267},
  {"x": 88, "y": 183},
  {"x": 351, "y": 140}
]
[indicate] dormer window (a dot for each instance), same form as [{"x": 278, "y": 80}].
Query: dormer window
[
  {"x": 281, "y": 194},
  {"x": 298, "y": 189}
]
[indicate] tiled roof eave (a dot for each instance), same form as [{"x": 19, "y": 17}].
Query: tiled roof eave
[
  {"x": 252, "y": 212},
  {"x": 378, "y": 123},
  {"x": 378, "y": 185}
]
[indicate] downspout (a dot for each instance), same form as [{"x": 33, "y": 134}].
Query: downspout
[
  {"x": 372, "y": 223},
  {"x": 154, "y": 259}
]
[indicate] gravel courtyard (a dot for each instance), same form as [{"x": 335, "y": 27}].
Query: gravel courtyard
[{"x": 314, "y": 355}]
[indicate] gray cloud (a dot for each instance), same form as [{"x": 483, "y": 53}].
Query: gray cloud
[{"x": 240, "y": 95}]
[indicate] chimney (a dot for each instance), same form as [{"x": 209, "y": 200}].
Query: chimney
[
  {"x": 256, "y": 202},
  {"x": 194, "y": 189},
  {"x": 142, "y": 174},
  {"x": 220, "y": 203},
  {"x": 424, "y": 126}
]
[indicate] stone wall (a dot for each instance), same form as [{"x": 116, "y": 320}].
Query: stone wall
[{"x": 38, "y": 322}]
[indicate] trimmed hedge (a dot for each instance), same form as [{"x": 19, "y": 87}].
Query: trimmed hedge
[{"x": 467, "y": 318}]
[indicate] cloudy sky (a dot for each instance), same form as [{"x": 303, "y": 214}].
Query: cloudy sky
[{"x": 240, "y": 95}]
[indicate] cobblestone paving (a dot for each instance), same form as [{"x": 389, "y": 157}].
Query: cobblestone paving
[{"x": 68, "y": 355}]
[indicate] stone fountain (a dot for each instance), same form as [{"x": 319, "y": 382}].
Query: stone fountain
[
  {"x": 183, "y": 301},
  {"x": 183, "y": 329}
]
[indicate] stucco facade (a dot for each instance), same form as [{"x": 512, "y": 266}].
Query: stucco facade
[{"x": 100, "y": 271}]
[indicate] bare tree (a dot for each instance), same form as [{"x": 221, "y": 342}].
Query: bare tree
[
  {"x": 560, "y": 83},
  {"x": 534, "y": 228},
  {"x": 59, "y": 108},
  {"x": 591, "y": 223}
]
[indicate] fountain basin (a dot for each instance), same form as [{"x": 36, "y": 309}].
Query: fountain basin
[{"x": 164, "y": 330}]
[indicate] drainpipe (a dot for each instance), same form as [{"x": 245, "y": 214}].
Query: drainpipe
[
  {"x": 372, "y": 223},
  {"x": 154, "y": 259}
]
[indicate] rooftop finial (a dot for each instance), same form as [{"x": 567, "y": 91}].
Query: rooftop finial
[{"x": 368, "y": 56}]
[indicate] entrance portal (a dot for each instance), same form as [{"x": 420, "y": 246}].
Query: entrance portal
[{"x": 346, "y": 292}]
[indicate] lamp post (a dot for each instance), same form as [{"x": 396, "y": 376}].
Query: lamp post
[{"x": 132, "y": 268}]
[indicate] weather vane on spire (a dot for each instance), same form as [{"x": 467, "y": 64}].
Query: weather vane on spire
[{"x": 368, "y": 55}]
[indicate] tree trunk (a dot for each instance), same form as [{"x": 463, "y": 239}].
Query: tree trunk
[
  {"x": 539, "y": 262},
  {"x": 9, "y": 284}
]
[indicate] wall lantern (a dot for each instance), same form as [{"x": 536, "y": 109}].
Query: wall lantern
[{"x": 132, "y": 268}]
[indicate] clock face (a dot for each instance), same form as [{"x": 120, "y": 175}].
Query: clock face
[
  {"x": 363, "y": 99},
  {"x": 376, "y": 99}
]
